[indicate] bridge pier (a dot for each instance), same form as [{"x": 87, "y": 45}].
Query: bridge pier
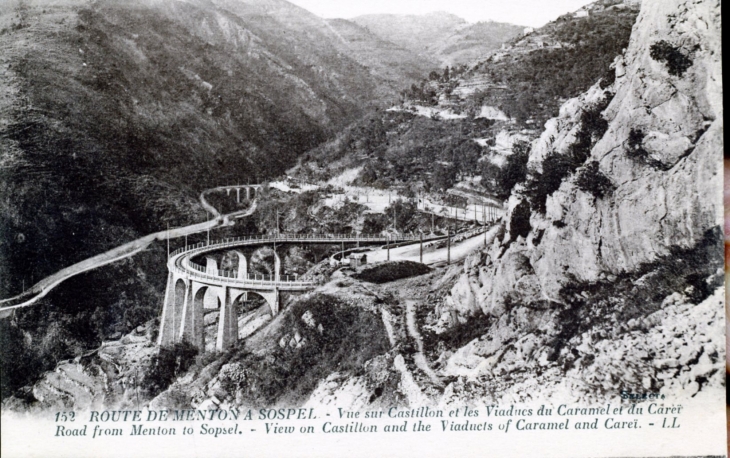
[
  {"x": 242, "y": 265},
  {"x": 227, "y": 321},
  {"x": 192, "y": 328},
  {"x": 193, "y": 290},
  {"x": 178, "y": 317},
  {"x": 211, "y": 266},
  {"x": 166, "y": 335},
  {"x": 277, "y": 267},
  {"x": 183, "y": 313}
]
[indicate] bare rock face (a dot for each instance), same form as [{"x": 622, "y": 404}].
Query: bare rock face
[
  {"x": 646, "y": 187},
  {"x": 109, "y": 377},
  {"x": 673, "y": 351},
  {"x": 662, "y": 152}
]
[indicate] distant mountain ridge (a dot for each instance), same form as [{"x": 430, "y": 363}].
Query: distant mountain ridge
[
  {"x": 448, "y": 124},
  {"x": 442, "y": 36},
  {"x": 395, "y": 65}
]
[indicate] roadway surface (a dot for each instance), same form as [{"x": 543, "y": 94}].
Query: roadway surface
[{"x": 433, "y": 255}]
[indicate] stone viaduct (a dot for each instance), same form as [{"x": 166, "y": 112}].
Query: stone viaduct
[
  {"x": 251, "y": 191},
  {"x": 188, "y": 284}
]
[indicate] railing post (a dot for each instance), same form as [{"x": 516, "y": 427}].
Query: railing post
[
  {"x": 448, "y": 247},
  {"x": 421, "y": 249}
]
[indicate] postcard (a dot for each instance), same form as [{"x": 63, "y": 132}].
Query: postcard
[{"x": 321, "y": 228}]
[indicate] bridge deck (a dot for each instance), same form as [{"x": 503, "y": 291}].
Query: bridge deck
[{"x": 179, "y": 260}]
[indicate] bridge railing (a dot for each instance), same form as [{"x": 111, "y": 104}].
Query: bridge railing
[
  {"x": 223, "y": 243},
  {"x": 257, "y": 280},
  {"x": 230, "y": 276},
  {"x": 233, "y": 274}
]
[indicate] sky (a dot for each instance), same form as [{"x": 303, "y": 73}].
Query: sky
[{"x": 533, "y": 13}]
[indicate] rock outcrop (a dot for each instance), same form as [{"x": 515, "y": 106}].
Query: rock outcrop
[{"x": 635, "y": 218}]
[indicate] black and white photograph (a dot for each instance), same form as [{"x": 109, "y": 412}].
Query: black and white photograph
[{"x": 362, "y": 228}]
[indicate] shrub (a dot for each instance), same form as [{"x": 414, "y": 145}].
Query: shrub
[
  {"x": 636, "y": 294},
  {"x": 405, "y": 213},
  {"x": 500, "y": 180},
  {"x": 592, "y": 128},
  {"x": 635, "y": 149},
  {"x": 591, "y": 180},
  {"x": 554, "y": 169},
  {"x": 635, "y": 140},
  {"x": 676, "y": 61},
  {"x": 167, "y": 365},
  {"x": 557, "y": 167},
  {"x": 374, "y": 223},
  {"x": 444, "y": 176},
  {"x": 349, "y": 337},
  {"x": 519, "y": 223},
  {"x": 391, "y": 271}
]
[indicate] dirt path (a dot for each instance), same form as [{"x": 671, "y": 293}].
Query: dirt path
[{"x": 419, "y": 357}]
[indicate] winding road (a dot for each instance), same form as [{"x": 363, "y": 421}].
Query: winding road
[{"x": 43, "y": 287}]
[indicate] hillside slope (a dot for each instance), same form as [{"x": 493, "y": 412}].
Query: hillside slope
[
  {"x": 396, "y": 66},
  {"x": 605, "y": 277},
  {"x": 472, "y": 42},
  {"x": 459, "y": 126},
  {"x": 111, "y": 110}
]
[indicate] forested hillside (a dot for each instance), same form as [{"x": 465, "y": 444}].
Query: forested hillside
[{"x": 535, "y": 73}]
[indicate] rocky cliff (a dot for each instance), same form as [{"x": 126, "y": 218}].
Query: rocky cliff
[{"x": 616, "y": 229}]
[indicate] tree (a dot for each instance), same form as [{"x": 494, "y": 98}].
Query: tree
[
  {"x": 467, "y": 157},
  {"x": 167, "y": 365},
  {"x": 404, "y": 213},
  {"x": 501, "y": 180},
  {"x": 444, "y": 176},
  {"x": 516, "y": 168}
]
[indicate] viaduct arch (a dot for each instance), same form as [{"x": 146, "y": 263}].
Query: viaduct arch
[{"x": 188, "y": 284}]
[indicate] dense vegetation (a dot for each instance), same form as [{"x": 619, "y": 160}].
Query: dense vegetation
[
  {"x": 398, "y": 148},
  {"x": 76, "y": 317},
  {"x": 500, "y": 181},
  {"x": 165, "y": 366}
]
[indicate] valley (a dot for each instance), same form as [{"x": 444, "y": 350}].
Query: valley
[{"x": 443, "y": 214}]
